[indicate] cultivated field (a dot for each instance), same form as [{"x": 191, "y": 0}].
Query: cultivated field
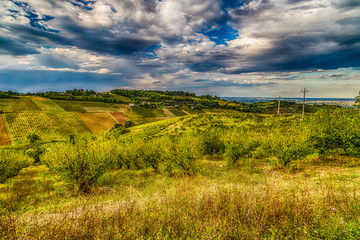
[
  {"x": 18, "y": 105},
  {"x": 4, "y": 137},
  {"x": 120, "y": 118},
  {"x": 50, "y": 126},
  {"x": 97, "y": 122},
  {"x": 47, "y": 105}
]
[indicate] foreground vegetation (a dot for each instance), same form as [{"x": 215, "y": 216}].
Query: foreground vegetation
[{"x": 208, "y": 176}]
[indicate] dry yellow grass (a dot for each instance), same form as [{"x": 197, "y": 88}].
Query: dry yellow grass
[
  {"x": 97, "y": 122},
  {"x": 4, "y": 137}
]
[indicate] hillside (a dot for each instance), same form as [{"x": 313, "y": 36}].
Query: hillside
[
  {"x": 203, "y": 176},
  {"x": 56, "y": 115}
]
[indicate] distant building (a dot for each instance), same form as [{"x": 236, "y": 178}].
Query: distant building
[
  {"x": 170, "y": 106},
  {"x": 131, "y": 104}
]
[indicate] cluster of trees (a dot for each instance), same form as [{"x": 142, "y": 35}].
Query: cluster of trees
[{"x": 8, "y": 94}]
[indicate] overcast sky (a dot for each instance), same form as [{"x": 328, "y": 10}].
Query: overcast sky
[{"x": 225, "y": 48}]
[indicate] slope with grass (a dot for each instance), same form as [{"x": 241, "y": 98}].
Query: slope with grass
[{"x": 205, "y": 176}]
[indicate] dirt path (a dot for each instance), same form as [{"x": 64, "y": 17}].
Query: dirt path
[{"x": 4, "y": 136}]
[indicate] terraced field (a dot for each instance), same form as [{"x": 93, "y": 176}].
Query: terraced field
[
  {"x": 49, "y": 126},
  {"x": 18, "y": 105},
  {"x": 97, "y": 122}
]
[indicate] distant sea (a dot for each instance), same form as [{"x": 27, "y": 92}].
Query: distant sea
[{"x": 346, "y": 102}]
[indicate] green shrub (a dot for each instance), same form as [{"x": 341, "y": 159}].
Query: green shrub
[
  {"x": 11, "y": 163},
  {"x": 129, "y": 124},
  {"x": 236, "y": 151},
  {"x": 81, "y": 164},
  {"x": 182, "y": 155},
  {"x": 212, "y": 143},
  {"x": 286, "y": 149}
]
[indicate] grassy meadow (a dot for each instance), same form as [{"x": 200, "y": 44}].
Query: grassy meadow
[{"x": 215, "y": 175}]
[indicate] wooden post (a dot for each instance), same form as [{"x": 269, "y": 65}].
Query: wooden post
[{"x": 303, "y": 111}]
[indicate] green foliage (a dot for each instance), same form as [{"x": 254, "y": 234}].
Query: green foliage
[
  {"x": 33, "y": 138},
  {"x": 335, "y": 131},
  {"x": 81, "y": 164},
  {"x": 129, "y": 123},
  {"x": 212, "y": 143},
  {"x": 286, "y": 149},
  {"x": 11, "y": 163},
  {"x": 237, "y": 150}
]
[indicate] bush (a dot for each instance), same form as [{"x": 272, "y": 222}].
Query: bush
[
  {"x": 235, "y": 151},
  {"x": 182, "y": 155},
  {"x": 129, "y": 124},
  {"x": 81, "y": 164},
  {"x": 286, "y": 149},
  {"x": 212, "y": 143},
  {"x": 33, "y": 138},
  {"x": 11, "y": 163}
]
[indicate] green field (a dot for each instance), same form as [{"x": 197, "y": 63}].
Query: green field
[
  {"x": 177, "y": 112},
  {"x": 192, "y": 111},
  {"x": 18, "y": 105},
  {"x": 50, "y": 126},
  {"x": 47, "y": 105},
  {"x": 80, "y": 106},
  {"x": 147, "y": 112}
]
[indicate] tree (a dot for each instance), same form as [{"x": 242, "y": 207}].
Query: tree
[{"x": 129, "y": 124}]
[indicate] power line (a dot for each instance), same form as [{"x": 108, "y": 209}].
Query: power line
[{"x": 303, "y": 111}]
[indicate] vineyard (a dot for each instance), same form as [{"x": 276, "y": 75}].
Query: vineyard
[
  {"x": 49, "y": 126},
  {"x": 18, "y": 105}
]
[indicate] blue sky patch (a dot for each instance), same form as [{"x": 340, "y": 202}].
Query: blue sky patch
[{"x": 221, "y": 35}]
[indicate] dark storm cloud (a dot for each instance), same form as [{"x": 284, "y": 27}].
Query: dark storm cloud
[
  {"x": 10, "y": 47},
  {"x": 153, "y": 36},
  {"x": 37, "y": 81}
]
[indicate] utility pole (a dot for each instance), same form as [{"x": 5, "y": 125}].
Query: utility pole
[
  {"x": 303, "y": 111},
  {"x": 279, "y": 106}
]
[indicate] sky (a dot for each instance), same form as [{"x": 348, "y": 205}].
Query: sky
[{"x": 234, "y": 48}]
